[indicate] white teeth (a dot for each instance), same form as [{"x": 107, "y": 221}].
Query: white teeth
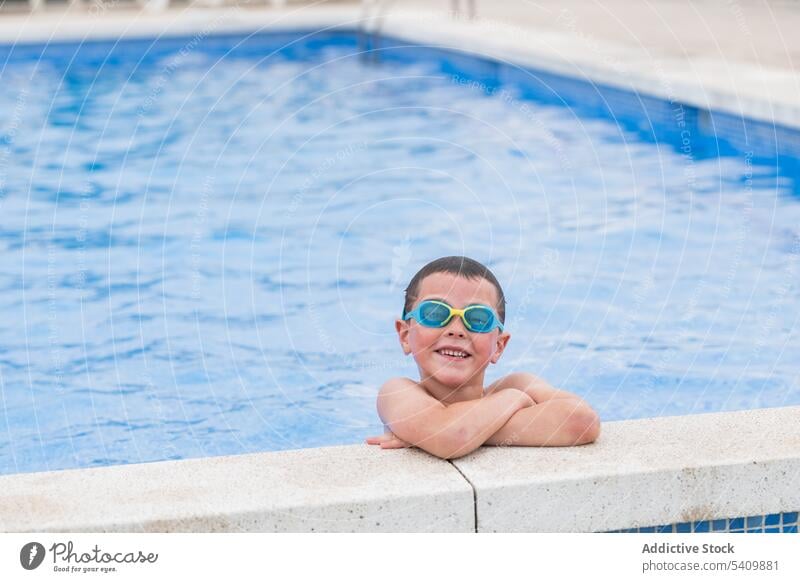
[{"x": 453, "y": 353}]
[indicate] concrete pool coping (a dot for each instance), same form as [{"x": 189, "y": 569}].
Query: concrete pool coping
[
  {"x": 707, "y": 82},
  {"x": 714, "y": 83},
  {"x": 638, "y": 473}
]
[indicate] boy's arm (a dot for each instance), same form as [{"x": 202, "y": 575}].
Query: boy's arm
[
  {"x": 558, "y": 422},
  {"x": 445, "y": 431},
  {"x": 558, "y": 419},
  {"x": 538, "y": 389}
]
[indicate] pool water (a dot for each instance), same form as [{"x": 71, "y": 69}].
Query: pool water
[{"x": 205, "y": 243}]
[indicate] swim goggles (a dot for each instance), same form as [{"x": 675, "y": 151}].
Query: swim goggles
[{"x": 476, "y": 318}]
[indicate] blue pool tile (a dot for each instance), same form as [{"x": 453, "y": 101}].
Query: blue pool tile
[
  {"x": 664, "y": 529},
  {"x": 684, "y": 528},
  {"x": 755, "y": 521},
  {"x": 719, "y": 524},
  {"x": 737, "y": 531},
  {"x": 701, "y": 526},
  {"x": 790, "y": 529},
  {"x": 772, "y": 530},
  {"x": 790, "y": 518},
  {"x": 773, "y": 519},
  {"x": 755, "y": 530},
  {"x": 737, "y": 523},
  {"x": 650, "y": 529}
]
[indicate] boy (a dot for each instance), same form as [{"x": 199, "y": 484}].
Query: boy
[{"x": 453, "y": 325}]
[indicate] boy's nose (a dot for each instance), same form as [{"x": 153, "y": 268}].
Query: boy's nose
[{"x": 456, "y": 327}]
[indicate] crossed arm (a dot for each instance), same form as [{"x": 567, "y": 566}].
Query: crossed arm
[{"x": 519, "y": 409}]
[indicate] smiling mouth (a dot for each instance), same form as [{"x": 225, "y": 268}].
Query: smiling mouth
[{"x": 453, "y": 355}]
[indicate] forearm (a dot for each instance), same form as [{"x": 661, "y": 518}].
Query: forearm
[
  {"x": 560, "y": 422},
  {"x": 472, "y": 422}
]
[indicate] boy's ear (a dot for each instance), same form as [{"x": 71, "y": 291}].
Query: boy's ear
[
  {"x": 502, "y": 342},
  {"x": 402, "y": 334}
]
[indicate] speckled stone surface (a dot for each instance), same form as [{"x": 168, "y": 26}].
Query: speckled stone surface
[
  {"x": 355, "y": 488},
  {"x": 643, "y": 472}
]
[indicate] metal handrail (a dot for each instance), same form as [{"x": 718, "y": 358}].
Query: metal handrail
[{"x": 369, "y": 40}]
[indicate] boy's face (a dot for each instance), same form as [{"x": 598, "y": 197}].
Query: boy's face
[{"x": 425, "y": 342}]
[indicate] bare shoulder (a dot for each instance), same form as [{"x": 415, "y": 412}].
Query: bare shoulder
[
  {"x": 399, "y": 387},
  {"x": 536, "y": 387},
  {"x": 403, "y": 397},
  {"x": 399, "y": 383}
]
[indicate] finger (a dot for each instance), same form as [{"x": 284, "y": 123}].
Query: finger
[
  {"x": 376, "y": 440},
  {"x": 395, "y": 443}
]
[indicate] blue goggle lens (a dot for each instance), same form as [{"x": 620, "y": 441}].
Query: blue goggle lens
[
  {"x": 433, "y": 314},
  {"x": 479, "y": 318}
]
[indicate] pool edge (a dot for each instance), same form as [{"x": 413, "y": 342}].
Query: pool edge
[
  {"x": 633, "y": 476},
  {"x": 750, "y": 93}
]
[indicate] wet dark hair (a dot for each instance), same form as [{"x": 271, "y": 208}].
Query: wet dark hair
[{"x": 460, "y": 266}]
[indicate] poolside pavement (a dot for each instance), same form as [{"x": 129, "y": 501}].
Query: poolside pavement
[{"x": 735, "y": 56}]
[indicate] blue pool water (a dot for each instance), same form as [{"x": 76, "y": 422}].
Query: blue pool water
[{"x": 205, "y": 241}]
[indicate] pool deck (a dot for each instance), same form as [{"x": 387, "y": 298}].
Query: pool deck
[
  {"x": 639, "y": 473},
  {"x": 734, "y": 56}
]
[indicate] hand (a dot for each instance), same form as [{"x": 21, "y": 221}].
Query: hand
[{"x": 388, "y": 440}]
